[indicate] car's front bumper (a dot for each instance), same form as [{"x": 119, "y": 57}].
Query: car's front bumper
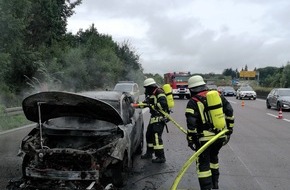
[
  {"x": 285, "y": 105},
  {"x": 229, "y": 94},
  {"x": 248, "y": 96},
  {"x": 62, "y": 175}
]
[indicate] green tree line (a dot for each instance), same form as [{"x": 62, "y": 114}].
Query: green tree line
[{"x": 37, "y": 53}]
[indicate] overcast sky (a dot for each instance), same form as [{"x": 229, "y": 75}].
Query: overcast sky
[{"x": 200, "y": 36}]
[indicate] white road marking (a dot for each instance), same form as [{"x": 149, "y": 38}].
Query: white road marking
[
  {"x": 271, "y": 115},
  {"x": 288, "y": 120},
  {"x": 245, "y": 165}
]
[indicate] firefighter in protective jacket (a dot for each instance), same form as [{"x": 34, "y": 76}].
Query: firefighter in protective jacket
[
  {"x": 156, "y": 99},
  {"x": 199, "y": 131}
]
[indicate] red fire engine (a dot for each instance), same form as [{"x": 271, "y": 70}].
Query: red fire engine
[{"x": 178, "y": 83}]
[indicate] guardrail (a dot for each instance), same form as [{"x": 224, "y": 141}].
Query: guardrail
[
  {"x": 18, "y": 110},
  {"x": 13, "y": 111}
]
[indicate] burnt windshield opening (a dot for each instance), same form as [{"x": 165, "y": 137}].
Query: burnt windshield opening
[{"x": 79, "y": 123}]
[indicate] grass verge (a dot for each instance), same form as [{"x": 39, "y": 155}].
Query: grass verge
[{"x": 11, "y": 122}]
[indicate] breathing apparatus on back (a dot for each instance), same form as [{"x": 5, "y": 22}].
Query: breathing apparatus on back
[
  {"x": 169, "y": 97},
  {"x": 151, "y": 89},
  {"x": 211, "y": 108}
]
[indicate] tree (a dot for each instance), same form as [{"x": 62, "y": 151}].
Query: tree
[
  {"x": 19, "y": 59},
  {"x": 48, "y": 21},
  {"x": 158, "y": 78},
  {"x": 285, "y": 80},
  {"x": 230, "y": 72},
  {"x": 266, "y": 75}
]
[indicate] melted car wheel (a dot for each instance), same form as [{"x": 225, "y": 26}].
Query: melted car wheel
[
  {"x": 120, "y": 172},
  {"x": 140, "y": 146},
  {"x": 26, "y": 160}
]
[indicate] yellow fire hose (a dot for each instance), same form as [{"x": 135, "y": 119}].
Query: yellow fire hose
[
  {"x": 194, "y": 157},
  {"x": 140, "y": 105},
  {"x": 172, "y": 120}
]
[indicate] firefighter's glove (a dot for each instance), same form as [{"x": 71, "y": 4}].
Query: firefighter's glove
[
  {"x": 227, "y": 139},
  {"x": 228, "y": 133},
  {"x": 193, "y": 140},
  {"x": 165, "y": 119}
]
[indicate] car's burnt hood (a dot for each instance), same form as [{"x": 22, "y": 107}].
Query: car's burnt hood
[{"x": 55, "y": 104}]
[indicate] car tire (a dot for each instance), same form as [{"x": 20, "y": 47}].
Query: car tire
[
  {"x": 26, "y": 160},
  {"x": 279, "y": 106},
  {"x": 254, "y": 98},
  {"x": 268, "y": 105},
  {"x": 140, "y": 146},
  {"x": 120, "y": 172}
]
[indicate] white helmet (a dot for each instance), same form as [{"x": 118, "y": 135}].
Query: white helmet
[
  {"x": 149, "y": 82},
  {"x": 195, "y": 81}
]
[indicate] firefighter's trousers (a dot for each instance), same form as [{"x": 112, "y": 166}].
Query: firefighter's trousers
[
  {"x": 207, "y": 165},
  {"x": 154, "y": 139}
]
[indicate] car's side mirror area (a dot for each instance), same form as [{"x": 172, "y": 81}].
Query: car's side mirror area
[{"x": 131, "y": 110}]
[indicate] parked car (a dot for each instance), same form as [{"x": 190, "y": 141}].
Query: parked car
[
  {"x": 246, "y": 92},
  {"x": 229, "y": 91},
  {"x": 278, "y": 98},
  {"x": 80, "y": 140},
  {"x": 130, "y": 87}
]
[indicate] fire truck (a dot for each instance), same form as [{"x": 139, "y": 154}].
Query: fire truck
[{"x": 178, "y": 83}]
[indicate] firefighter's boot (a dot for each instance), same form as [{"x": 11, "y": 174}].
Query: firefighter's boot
[
  {"x": 159, "y": 160},
  {"x": 148, "y": 154},
  {"x": 215, "y": 182},
  {"x": 160, "y": 157},
  {"x": 215, "y": 185}
]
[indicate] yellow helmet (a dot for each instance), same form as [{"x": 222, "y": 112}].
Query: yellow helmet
[
  {"x": 149, "y": 82},
  {"x": 195, "y": 81}
]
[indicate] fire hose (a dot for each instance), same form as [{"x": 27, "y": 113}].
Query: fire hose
[
  {"x": 195, "y": 155},
  {"x": 140, "y": 105}
]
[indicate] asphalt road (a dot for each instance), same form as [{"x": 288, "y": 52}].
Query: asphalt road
[{"x": 256, "y": 158}]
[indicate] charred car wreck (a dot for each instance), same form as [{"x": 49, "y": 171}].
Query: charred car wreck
[{"x": 81, "y": 141}]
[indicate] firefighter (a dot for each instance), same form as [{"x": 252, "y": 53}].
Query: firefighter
[
  {"x": 156, "y": 99},
  {"x": 199, "y": 132}
]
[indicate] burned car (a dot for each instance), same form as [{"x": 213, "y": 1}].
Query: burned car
[{"x": 81, "y": 141}]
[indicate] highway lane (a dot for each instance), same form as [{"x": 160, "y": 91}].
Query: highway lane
[
  {"x": 10, "y": 163},
  {"x": 261, "y": 144},
  {"x": 256, "y": 158}
]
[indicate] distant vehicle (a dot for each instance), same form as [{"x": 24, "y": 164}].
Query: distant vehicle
[
  {"x": 130, "y": 87},
  {"x": 179, "y": 83},
  {"x": 229, "y": 91},
  {"x": 246, "y": 92},
  {"x": 212, "y": 86},
  {"x": 220, "y": 89},
  {"x": 81, "y": 140},
  {"x": 278, "y": 98}
]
